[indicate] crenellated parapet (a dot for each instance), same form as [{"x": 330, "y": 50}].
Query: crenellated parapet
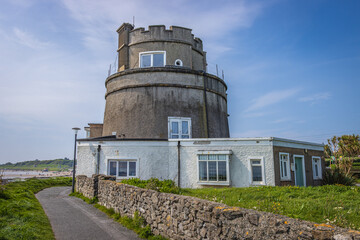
[{"x": 160, "y": 33}]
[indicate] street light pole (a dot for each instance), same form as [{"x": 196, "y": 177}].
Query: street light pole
[{"x": 74, "y": 163}]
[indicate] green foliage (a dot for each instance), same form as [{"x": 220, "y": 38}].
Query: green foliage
[
  {"x": 137, "y": 223},
  {"x": 167, "y": 186},
  {"x": 331, "y": 204},
  {"x": 336, "y": 176},
  {"x": 87, "y": 200},
  {"x": 52, "y": 165},
  {"x": 21, "y": 215}
]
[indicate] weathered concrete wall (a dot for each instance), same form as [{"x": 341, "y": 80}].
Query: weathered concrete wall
[
  {"x": 183, "y": 217},
  {"x": 139, "y": 102}
]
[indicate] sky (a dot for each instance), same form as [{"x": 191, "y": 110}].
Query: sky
[{"x": 292, "y": 67}]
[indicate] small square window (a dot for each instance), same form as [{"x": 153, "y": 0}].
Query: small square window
[
  {"x": 122, "y": 168},
  {"x": 179, "y": 127},
  {"x": 152, "y": 59}
]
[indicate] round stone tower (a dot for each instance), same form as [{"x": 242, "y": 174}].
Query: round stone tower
[{"x": 161, "y": 89}]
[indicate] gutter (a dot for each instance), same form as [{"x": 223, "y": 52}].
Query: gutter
[
  {"x": 178, "y": 150},
  {"x": 98, "y": 159}
]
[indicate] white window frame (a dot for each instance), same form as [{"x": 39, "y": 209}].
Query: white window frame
[
  {"x": 227, "y": 159},
  {"x": 319, "y": 167},
  {"x": 262, "y": 164},
  {"x": 151, "y": 53},
  {"x": 282, "y": 177},
  {"x": 127, "y": 171},
  {"x": 179, "y": 120}
]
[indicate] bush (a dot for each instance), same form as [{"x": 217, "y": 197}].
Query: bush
[
  {"x": 336, "y": 176},
  {"x": 167, "y": 186}
]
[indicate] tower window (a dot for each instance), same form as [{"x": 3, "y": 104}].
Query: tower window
[
  {"x": 152, "y": 59},
  {"x": 179, "y": 127}
]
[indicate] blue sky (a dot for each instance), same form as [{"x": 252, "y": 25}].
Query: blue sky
[{"x": 292, "y": 67}]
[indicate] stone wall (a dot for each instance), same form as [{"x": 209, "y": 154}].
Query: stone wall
[{"x": 184, "y": 217}]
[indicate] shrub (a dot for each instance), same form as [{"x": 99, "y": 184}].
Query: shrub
[
  {"x": 336, "y": 176},
  {"x": 167, "y": 186}
]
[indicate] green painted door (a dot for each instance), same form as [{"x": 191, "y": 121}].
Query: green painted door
[{"x": 299, "y": 171}]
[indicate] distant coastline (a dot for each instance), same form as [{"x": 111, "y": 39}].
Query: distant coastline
[{"x": 9, "y": 174}]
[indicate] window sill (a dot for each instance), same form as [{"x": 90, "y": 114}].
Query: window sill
[
  {"x": 257, "y": 184},
  {"x": 214, "y": 183},
  {"x": 285, "y": 180}
]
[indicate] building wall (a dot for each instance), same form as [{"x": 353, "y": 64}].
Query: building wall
[
  {"x": 151, "y": 157},
  {"x": 160, "y": 158},
  {"x": 178, "y": 42},
  {"x": 308, "y": 154},
  {"x": 139, "y": 102},
  {"x": 239, "y": 165}
]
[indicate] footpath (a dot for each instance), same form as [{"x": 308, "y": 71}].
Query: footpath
[{"x": 72, "y": 218}]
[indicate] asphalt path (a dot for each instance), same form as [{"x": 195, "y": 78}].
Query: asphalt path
[{"x": 72, "y": 218}]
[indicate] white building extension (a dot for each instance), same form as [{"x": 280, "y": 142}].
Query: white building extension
[{"x": 195, "y": 163}]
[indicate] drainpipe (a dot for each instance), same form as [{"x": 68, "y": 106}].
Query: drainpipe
[
  {"x": 178, "y": 149},
  {"x": 206, "y": 120},
  {"x": 98, "y": 159}
]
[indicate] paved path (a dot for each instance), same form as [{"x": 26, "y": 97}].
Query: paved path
[{"x": 72, "y": 218}]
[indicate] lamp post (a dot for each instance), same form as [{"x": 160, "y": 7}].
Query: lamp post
[{"x": 76, "y": 129}]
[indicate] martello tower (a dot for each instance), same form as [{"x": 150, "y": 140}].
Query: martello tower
[{"x": 161, "y": 89}]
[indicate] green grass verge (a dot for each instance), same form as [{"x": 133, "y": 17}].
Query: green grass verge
[
  {"x": 21, "y": 215},
  {"x": 337, "y": 205},
  {"x": 137, "y": 223}
]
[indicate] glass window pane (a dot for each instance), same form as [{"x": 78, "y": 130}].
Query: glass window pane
[
  {"x": 174, "y": 136},
  {"x": 184, "y": 136},
  {"x": 285, "y": 170},
  {"x": 222, "y": 171},
  {"x": 212, "y": 171},
  {"x": 255, "y": 162},
  {"x": 203, "y": 171},
  {"x": 203, "y": 157},
  {"x": 256, "y": 172},
  {"x": 184, "y": 127},
  {"x": 212, "y": 157},
  {"x": 316, "y": 170},
  {"x": 158, "y": 60},
  {"x": 175, "y": 127},
  {"x": 122, "y": 169},
  {"x": 112, "y": 169},
  {"x": 222, "y": 157},
  {"x": 132, "y": 169},
  {"x": 145, "y": 60}
]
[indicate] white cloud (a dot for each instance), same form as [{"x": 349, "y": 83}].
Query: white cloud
[
  {"x": 315, "y": 97},
  {"x": 210, "y": 20},
  {"x": 29, "y": 40},
  {"x": 271, "y": 98}
]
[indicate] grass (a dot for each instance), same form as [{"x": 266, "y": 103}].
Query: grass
[
  {"x": 21, "y": 215},
  {"x": 336, "y": 205},
  {"x": 137, "y": 223}
]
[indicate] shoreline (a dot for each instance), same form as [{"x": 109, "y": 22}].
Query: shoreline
[{"x": 9, "y": 174}]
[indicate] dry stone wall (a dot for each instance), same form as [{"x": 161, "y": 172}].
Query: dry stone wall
[{"x": 184, "y": 217}]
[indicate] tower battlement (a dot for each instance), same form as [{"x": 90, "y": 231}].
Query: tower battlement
[{"x": 160, "y": 33}]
